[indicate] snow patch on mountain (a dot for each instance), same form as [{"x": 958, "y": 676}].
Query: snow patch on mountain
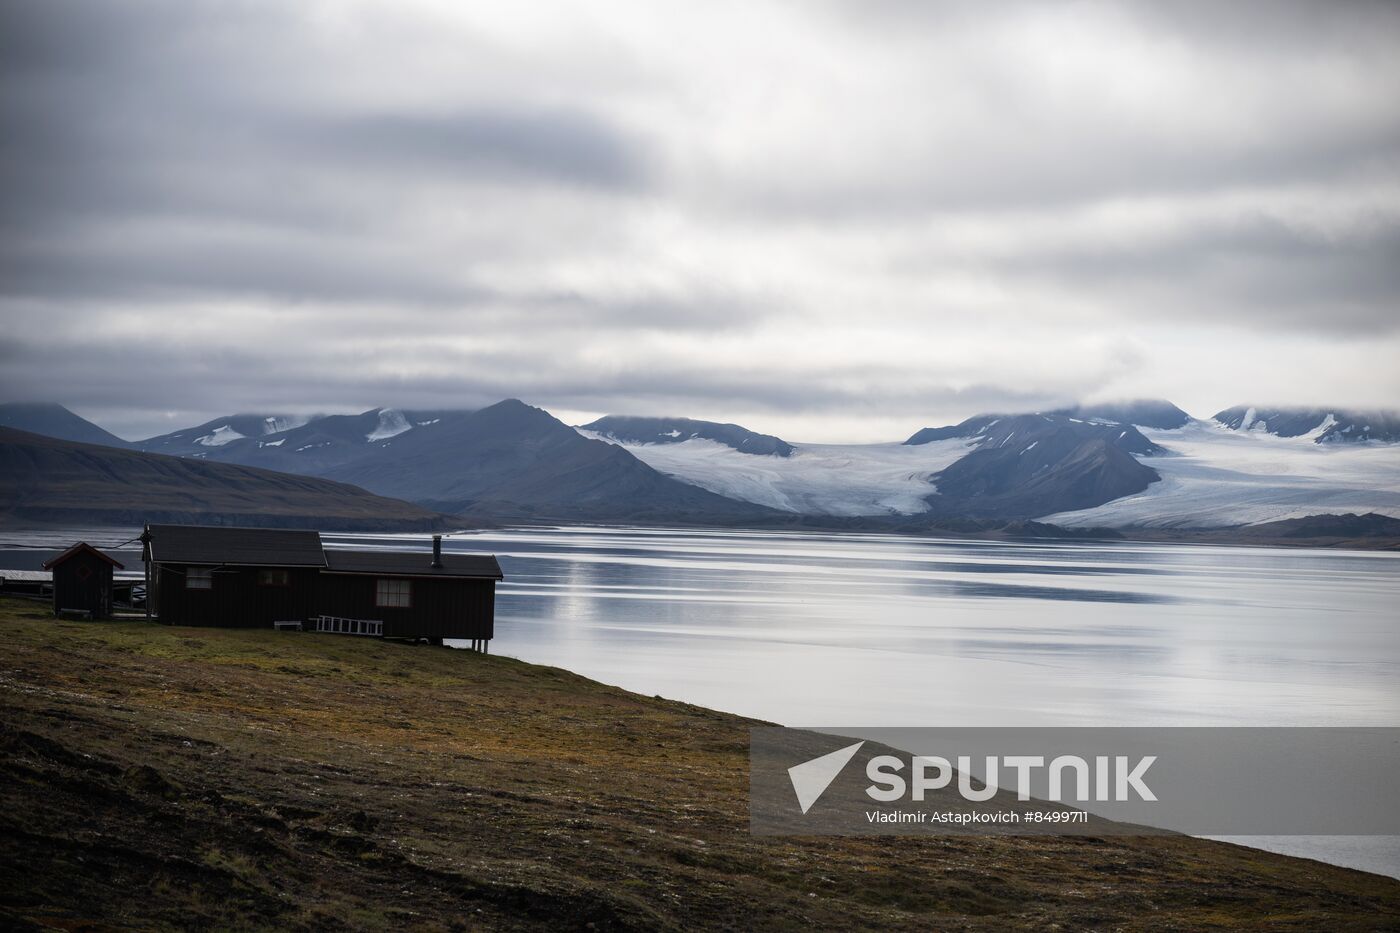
[
  {"x": 1213, "y": 477},
  {"x": 821, "y": 479},
  {"x": 392, "y": 423},
  {"x": 221, "y": 435},
  {"x": 1322, "y": 428},
  {"x": 276, "y": 424}
]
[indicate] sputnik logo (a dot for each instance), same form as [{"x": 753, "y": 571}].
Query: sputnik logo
[{"x": 811, "y": 778}]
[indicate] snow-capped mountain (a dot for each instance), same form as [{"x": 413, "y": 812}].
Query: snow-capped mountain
[
  {"x": 1078, "y": 467},
  {"x": 1195, "y": 474},
  {"x": 630, "y": 430},
  {"x": 200, "y": 439},
  {"x": 293, "y": 444},
  {"x": 1141, "y": 412},
  {"x": 1320, "y": 425},
  {"x": 1027, "y": 465},
  {"x": 506, "y": 461}
]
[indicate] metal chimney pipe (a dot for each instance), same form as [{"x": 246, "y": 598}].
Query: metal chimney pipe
[{"x": 437, "y": 552}]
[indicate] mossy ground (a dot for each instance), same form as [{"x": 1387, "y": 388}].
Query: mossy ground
[{"x": 243, "y": 779}]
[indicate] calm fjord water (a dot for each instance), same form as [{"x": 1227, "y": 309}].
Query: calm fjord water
[{"x": 806, "y": 629}]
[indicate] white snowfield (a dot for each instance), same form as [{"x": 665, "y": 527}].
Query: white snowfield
[
  {"x": 818, "y": 479},
  {"x": 392, "y": 423},
  {"x": 1214, "y": 477},
  {"x": 276, "y": 424},
  {"x": 222, "y": 435}
]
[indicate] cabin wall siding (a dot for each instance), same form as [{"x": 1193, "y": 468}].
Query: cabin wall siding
[
  {"x": 93, "y": 594},
  {"x": 236, "y": 599},
  {"x": 440, "y": 608}
]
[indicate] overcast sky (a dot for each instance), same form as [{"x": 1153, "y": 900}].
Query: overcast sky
[{"x": 830, "y": 221}]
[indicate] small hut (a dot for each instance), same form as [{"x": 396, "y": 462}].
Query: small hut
[{"x": 82, "y": 581}]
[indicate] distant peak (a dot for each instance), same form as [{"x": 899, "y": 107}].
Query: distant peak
[
  {"x": 1143, "y": 412},
  {"x": 1322, "y": 425},
  {"x": 630, "y": 429}
]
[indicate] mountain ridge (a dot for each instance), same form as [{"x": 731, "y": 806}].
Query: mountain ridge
[
  {"x": 48, "y": 480},
  {"x": 644, "y": 430},
  {"x": 1076, "y": 467},
  {"x": 49, "y": 419},
  {"x": 1329, "y": 425}
]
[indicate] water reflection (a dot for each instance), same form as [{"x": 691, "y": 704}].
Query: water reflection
[{"x": 879, "y": 629}]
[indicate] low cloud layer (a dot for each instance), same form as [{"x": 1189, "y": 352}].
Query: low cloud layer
[{"x": 830, "y": 221}]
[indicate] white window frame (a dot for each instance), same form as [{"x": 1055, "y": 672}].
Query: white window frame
[
  {"x": 391, "y": 593},
  {"x": 199, "y": 578}
]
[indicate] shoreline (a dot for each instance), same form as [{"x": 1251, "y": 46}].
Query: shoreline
[
  {"x": 1030, "y": 532},
  {"x": 302, "y": 780}
]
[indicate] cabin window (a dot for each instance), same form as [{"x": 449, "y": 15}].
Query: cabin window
[
  {"x": 273, "y": 578},
  {"x": 199, "y": 578},
  {"x": 392, "y": 594}
]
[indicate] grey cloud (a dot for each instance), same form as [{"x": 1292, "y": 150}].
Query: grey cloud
[
  {"x": 562, "y": 145},
  {"x": 1251, "y": 271},
  {"x": 219, "y": 380},
  {"x": 506, "y": 226}
]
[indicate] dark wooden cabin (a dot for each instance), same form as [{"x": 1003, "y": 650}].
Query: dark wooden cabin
[
  {"x": 259, "y": 577},
  {"x": 82, "y": 581},
  {"x": 432, "y": 596},
  {"x": 231, "y": 577}
]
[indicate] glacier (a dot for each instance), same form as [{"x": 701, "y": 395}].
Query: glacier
[
  {"x": 1213, "y": 477},
  {"x": 817, "y": 479}
]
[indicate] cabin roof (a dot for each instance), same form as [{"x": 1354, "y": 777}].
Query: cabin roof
[
  {"x": 261, "y": 547},
  {"x": 82, "y": 547},
  {"x": 414, "y": 564}
]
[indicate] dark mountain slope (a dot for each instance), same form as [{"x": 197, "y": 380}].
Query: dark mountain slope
[
  {"x": 1346, "y": 426},
  {"x": 970, "y": 428},
  {"x": 630, "y": 430},
  {"x": 1031, "y": 465},
  {"x": 515, "y": 461},
  {"x": 309, "y": 446},
  {"x": 1143, "y": 412},
  {"x": 52, "y": 420},
  {"x": 212, "y": 438},
  {"x": 1069, "y": 474},
  {"x": 1023, "y": 430},
  {"x": 45, "y": 480},
  {"x": 1347, "y": 525}
]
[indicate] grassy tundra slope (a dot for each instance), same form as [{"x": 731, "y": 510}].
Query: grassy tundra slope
[{"x": 156, "y": 777}]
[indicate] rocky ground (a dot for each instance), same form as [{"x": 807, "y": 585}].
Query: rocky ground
[{"x": 200, "y": 778}]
